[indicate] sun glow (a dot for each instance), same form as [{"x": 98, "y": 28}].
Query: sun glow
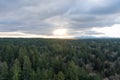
[{"x": 60, "y": 32}]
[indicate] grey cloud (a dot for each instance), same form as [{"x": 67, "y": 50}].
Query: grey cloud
[
  {"x": 111, "y": 8},
  {"x": 81, "y": 15}
]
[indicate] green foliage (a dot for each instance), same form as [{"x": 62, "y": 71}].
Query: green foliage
[
  {"x": 33, "y": 75},
  {"x": 26, "y": 70},
  {"x": 4, "y": 71},
  {"x": 60, "y": 76},
  {"x": 72, "y": 71},
  {"x": 16, "y": 70},
  {"x": 59, "y": 59}
]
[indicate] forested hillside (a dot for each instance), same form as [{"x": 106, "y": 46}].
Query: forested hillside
[{"x": 59, "y": 59}]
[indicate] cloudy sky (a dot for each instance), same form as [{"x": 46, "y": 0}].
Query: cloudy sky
[{"x": 59, "y": 18}]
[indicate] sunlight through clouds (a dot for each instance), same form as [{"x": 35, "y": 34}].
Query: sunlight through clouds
[{"x": 39, "y": 18}]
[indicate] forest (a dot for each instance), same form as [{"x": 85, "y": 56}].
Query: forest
[{"x": 59, "y": 59}]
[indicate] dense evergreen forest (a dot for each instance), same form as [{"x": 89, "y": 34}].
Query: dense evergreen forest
[{"x": 59, "y": 59}]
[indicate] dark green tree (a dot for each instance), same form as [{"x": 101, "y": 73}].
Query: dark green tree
[
  {"x": 72, "y": 71},
  {"x": 33, "y": 75},
  {"x": 16, "y": 70},
  {"x": 60, "y": 76},
  {"x": 38, "y": 73},
  {"x": 4, "y": 71},
  {"x": 26, "y": 71}
]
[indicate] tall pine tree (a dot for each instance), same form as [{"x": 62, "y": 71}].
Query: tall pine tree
[{"x": 16, "y": 70}]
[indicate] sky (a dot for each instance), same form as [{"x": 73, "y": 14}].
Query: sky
[{"x": 60, "y": 18}]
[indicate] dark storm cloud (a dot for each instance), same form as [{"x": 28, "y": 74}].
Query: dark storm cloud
[{"x": 43, "y": 16}]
